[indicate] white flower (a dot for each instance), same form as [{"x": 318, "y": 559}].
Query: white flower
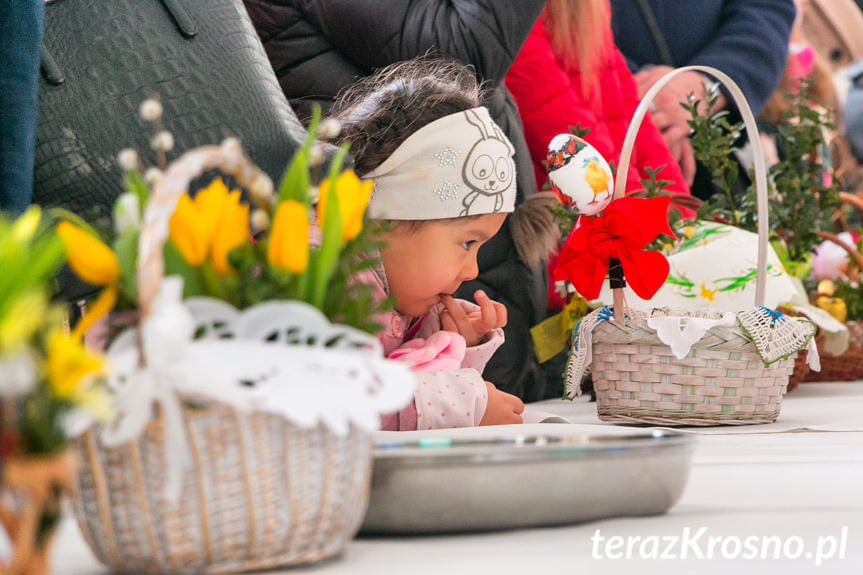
[
  {"x": 18, "y": 375},
  {"x": 262, "y": 189},
  {"x": 260, "y": 220},
  {"x": 153, "y": 176},
  {"x": 128, "y": 159},
  {"x": 127, "y": 213},
  {"x": 830, "y": 261},
  {"x": 163, "y": 141},
  {"x": 316, "y": 155},
  {"x": 150, "y": 110},
  {"x": 329, "y": 128},
  {"x": 232, "y": 145},
  {"x": 233, "y": 155}
]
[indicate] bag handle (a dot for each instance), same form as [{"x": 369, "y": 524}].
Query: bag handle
[
  {"x": 656, "y": 35},
  {"x": 754, "y": 140},
  {"x": 182, "y": 20}
]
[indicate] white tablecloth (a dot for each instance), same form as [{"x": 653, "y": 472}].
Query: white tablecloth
[{"x": 803, "y": 487}]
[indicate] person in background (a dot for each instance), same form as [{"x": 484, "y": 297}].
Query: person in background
[
  {"x": 319, "y": 47},
  {"x": 444, "y": 182},
  {"x": 21, "y": 24},
  {"x": 569, "y": 72},
  {"x": 746, "y": 39}
]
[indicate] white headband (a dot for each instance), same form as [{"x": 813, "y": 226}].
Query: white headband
[{"x": 459, "y": 165}]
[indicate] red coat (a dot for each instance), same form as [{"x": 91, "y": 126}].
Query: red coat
[{"x": 550, "y": 99}]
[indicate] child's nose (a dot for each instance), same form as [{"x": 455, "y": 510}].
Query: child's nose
[{"x": 470, "y": 270}]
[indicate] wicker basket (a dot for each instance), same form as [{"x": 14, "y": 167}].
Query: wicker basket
[
  {"x": 845, "y": 367},
  {"x": 722, "y": 380},
  {"x": 260, "y": 492}
]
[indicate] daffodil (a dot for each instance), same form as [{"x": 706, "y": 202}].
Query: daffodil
[
  {"x": 353, "y": 195},
  {"x": 288, "y": 247},
  {"x": 210, "y": 226},
  {"x": 89, "y": 258},
  {"x": 69, "y": 365}
]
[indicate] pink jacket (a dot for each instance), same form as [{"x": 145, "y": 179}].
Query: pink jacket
[{"x": 450, "y": 390}]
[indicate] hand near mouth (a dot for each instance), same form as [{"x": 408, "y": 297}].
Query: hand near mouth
[{"x": 473, "y": 326}]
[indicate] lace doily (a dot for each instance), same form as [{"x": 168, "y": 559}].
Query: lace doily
[{"x": 774, "y": 335}]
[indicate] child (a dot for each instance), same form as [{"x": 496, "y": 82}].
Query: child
[{"x": 444, "y": 183}]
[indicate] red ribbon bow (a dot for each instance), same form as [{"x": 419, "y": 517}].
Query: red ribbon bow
[{"x": 621, "y": 231}]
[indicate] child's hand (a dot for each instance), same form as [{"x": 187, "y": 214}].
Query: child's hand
[
  {"x": 502, "y": 408},
  {"x": 472, "y": 326}
]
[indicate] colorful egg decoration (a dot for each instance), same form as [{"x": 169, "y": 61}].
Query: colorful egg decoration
[{"x": 580, "y": 177}]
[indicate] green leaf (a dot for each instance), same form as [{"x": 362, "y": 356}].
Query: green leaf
[
  {"x": 126, "y": 250},
  {"x": 331, "y": 233},
  {"x": 175, "y": 264}
]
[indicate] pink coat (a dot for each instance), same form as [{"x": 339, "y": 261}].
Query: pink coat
[{"x": 450, "y": 390}]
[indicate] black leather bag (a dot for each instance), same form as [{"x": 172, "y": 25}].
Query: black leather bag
[{"x": 102, "y": 58}]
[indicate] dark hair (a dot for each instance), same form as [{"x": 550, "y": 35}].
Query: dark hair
[{"x": 379, "y": 112}]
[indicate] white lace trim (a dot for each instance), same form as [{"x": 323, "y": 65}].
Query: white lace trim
[{"x": 775, "y": 335}]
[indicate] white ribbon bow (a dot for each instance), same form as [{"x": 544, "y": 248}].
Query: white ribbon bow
[{"x": 170, "y": 372}]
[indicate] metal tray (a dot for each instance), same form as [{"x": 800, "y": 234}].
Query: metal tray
[{"x": 439, "y": 484}]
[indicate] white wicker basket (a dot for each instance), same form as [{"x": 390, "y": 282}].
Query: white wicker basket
[
  {"x": 259, "y": 490},
  {"x": 723, "y": 380}
]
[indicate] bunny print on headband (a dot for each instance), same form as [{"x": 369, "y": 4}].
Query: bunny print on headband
[{"x": 460, "y": 165}]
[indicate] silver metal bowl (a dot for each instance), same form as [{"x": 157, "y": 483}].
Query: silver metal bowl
[{"x": 437, "y": 484}]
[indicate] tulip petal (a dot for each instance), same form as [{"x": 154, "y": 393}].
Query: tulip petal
[{"x": 90, "y": 259}]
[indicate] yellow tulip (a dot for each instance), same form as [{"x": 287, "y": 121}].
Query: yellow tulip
[
  {"x": 89, "y": 258},
  {"x": 187, "y": 232},
  {"x": 288, "y": 247},
  {"x": 210, "y": 226},
  {"x": 231, "y": 232},
  {"x": 68, "y": 364},
  {"x": 353, "y": 196}
]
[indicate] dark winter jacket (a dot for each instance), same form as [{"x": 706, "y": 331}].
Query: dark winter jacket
[
  {"x": 746, "y": 39},
  {"x": 319, "y": 47}
]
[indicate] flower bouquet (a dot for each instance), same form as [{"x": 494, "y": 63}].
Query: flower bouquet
[
  {"x": 658, "y": 364},
  {"x": 47, "y": 378},
  {"x": 245, "y": 388}
]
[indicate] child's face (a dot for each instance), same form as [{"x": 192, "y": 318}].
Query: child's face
[{"x": 425, "y": 263}]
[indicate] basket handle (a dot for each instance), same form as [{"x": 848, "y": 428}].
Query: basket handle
[
  {"x": 755, "y": 142},
  {"x": 229, "y": 159},
  {"x": 851, "y": 200}
]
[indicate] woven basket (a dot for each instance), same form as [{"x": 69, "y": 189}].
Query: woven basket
[
  {"x": 849, "y": 365},
  {"x": 261, "y": 492},
  {"x": 723, "y": 379}
]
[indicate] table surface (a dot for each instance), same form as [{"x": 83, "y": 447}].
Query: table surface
[{"x": 793, "y": 480}]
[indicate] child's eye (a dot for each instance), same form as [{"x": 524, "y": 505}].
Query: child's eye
[{"x": 468, "y": 244}]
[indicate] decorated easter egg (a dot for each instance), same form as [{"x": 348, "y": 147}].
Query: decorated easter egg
[{"x": 580, "y": 177}]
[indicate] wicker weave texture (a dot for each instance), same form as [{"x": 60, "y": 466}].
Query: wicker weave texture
[
  {"x": 260, "y": 492},
  {"x": 722, "y": 381},
  {"x": 845, "y": 367}
]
